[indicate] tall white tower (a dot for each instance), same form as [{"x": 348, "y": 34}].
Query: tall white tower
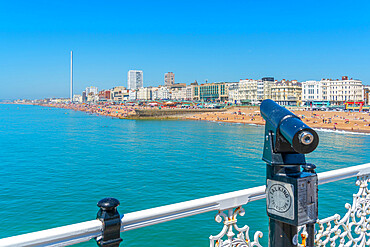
[
  {"x": 134, "y": 79},
  {"x": 71, "y": 86}
]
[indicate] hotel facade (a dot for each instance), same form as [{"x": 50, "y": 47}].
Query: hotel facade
[{"x": 334, "y": 92}]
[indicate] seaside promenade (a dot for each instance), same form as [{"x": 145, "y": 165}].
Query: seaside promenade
[{"x": 347, "y": 121}]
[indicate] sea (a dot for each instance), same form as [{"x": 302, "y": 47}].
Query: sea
[{"x": 56, "y": 164}]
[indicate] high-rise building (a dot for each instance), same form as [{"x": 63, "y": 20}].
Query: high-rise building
[
  {"x": 134, "y": 79},
  {"x": 169, "y": 79}
]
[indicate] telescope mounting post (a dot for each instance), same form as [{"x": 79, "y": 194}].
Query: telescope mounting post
[{"x": 291, "y": 194}]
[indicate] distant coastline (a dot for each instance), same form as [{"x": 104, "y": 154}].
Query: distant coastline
[{"x": 330, "y": 120}]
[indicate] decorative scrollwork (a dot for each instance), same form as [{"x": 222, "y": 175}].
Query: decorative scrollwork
[
  {"x": 354, "y": 228},
  {"x": 242, "y": 238}
]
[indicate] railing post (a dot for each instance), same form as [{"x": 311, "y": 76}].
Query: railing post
[{"x": 111, "y": 220}]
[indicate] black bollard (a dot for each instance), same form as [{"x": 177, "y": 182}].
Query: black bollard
[{"x": 111, "y": 219}]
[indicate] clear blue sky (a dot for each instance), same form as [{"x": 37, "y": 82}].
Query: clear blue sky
[{"x": 197, "y": 40}]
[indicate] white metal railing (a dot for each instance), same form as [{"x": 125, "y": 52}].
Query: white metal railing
[{"x": 82, "y": 232}]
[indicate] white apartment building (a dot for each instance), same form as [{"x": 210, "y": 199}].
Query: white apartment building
[
  {"x": 144, "y": 93},
  {"x": 134, "y": 79},
  {"x": 233, "y": 92},
  {"x": 339, "y": 91},
  {"x": 248, "y": 91},
  {"x": 264, "y": 88},
  {"x": 91, "y": 89},
  {"x": 178, "y": 93},
  {"x": 132, "y": 95},
  {"x": 189, "y": 92},
  {"x": 312, "y": 91},
  {"x": 334, "y": 91},
  {"x": 160, "y": 93},
  {"x": 155, "y": 93}
]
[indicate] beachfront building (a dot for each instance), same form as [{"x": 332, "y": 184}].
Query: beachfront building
[
  {"x": 178, "y": 93},
  {"x": 134, "y": 79},
  {"x": 233, "y": 92},
  {"x": 77, "y": 98},
  {"x": 366, "y": 94},
  {"x": 119, "y": 94},
  {"x": 161, "y": 93},
  {"x": 144, "y": 93},
  {"x": 335, "y": 92},
  {"x": 312, "y": 94},
  {"x": 340, "y": 91},
  {"x": 264, "y": 88},
  {"x": 248, "y": 91},
  {"x": 132, "y": 95},
  {"x": 92, "y": 97},
  {"x": 312, "y": 91},
  {"x": 91, "y": 89},
  {"x": 212, "y": 92},
  {"x": 169, "y": 79},
  {"x": 104, "y": 94},
  {"x": 288, "y": 93},
  {"x": 189, "y": 91}
]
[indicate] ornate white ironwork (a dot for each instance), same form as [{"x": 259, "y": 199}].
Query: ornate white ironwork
[
  {"x": 302, "y": 231},
  {"x": 354, "y": 228},
  {"x": 242, "y": 238}
]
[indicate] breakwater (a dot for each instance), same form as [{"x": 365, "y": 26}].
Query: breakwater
[{"x": 160, "y": 113}]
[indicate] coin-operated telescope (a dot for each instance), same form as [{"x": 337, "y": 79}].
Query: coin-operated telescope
[{"x": 291, "y": 194}]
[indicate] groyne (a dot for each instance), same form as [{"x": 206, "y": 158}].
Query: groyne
[{"x": 163, "y": 113}]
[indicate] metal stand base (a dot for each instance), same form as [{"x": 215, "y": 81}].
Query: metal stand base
[{"x": 282, "y": 234}]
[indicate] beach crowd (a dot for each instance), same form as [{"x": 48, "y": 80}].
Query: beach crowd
[{"x": 335, "y": 120}]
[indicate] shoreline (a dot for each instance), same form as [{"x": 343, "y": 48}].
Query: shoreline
[{"x": 356, "y": 122}]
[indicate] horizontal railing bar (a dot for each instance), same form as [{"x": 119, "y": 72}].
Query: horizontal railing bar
[
  {"x": 183, "y": 209},
  {"x": 82, "y": 232},
  {"x": 234, "y": 199},
  {"x": 59, "y": 236},
  {"x": 343, "y": 173}
]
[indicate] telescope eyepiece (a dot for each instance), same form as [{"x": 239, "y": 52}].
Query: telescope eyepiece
[{"x": 306, "y": 138}]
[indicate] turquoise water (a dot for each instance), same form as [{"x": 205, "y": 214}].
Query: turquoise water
[{"x": 56, "y": 164}]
